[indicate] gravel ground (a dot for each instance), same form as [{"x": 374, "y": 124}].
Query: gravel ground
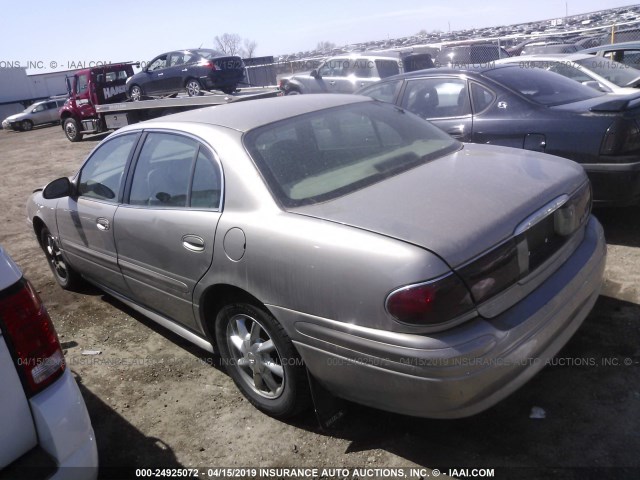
[{"x": 157, "y": 401}]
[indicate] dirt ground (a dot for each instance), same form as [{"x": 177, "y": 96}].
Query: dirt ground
[{"x": 157, "y": 401}]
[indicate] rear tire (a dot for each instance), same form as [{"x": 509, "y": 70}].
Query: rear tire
[
  {"x": 228, "y": 90},
  {"x": 66, "y": 276},
  {"x": 261, "y": 360},
  {"x": 193, "y": 87},
  {"x": 293, "y": 91},
  {"x": 72, "y": 129}
]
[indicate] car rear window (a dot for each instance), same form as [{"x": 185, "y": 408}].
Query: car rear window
[
  {"x": 541, "y": 86},
  {"x": 618, "y": 73},
  {"x": 329, "y": 153}
]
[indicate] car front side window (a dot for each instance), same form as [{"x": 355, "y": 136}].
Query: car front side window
[
  {"x": 101, "y": 176},
  {"x": 158, "y": 63}
]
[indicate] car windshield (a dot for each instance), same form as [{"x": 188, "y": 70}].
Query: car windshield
[
  {"x": 31, "y": 107},
  {"x": 618, "y": 73},
  {"x": 329, "y": 153},
  {"x": 541, "y": 86}
]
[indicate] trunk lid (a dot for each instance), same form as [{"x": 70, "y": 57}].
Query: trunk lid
[{"x": 458, "y": 206}]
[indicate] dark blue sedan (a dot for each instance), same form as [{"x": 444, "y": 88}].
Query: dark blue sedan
[{"x": 190, "y": 70}]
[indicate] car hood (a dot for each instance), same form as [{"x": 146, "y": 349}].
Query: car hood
[
  {"x": 460, "y": 205},
  {"x": 14, "y": 117}
]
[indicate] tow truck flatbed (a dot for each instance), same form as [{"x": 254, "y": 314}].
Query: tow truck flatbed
[{"x": 207, "y": 99}]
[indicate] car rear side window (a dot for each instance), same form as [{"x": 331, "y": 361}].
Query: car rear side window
[
  {"x": 482, "y": 97},
  {"x": 385, "y": 91},
  {"x": 329, "y": 153},
  {"x": 163, "y": 171},
  {"x": 387, "y": 68},
  {"x": 541, "y": 86},
  {"x": 206, "y": 186},
  {"x": 101, "y": 175},
  {"x": 176, "y": 171}
]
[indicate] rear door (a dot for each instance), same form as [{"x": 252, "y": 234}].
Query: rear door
[
  {"x": 85, "y": 222},
  {"x": 165, "y": 230},
  {"x": 444, "y": 101}
]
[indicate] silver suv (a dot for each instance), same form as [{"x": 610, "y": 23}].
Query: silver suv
[
  {"x": 37, "y": 114},
  {"x": 346, "y": 74}
]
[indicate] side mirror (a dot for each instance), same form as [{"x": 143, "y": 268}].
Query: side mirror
[
  {"x": 59, "y": 188},
  {"x": 315, "y": 74}
]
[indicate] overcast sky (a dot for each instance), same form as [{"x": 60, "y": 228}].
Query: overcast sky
[{"x": 59, "y": 33}]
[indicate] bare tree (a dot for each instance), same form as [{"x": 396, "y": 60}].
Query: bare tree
[
  {"x": 229, "y": 43},
  {"x": 324, "y": 45},
  {"x": 249, "y": 47}
]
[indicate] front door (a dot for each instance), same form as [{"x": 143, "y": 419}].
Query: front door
[{"x": 86, "y": 221}]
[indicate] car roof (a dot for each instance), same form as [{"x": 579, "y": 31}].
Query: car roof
[
  {"x": 571, "y": 57},
  {"x": 468, "y": 69},
  {"x": 247, "y": 115},
  {"x": 612, "y": 46}
]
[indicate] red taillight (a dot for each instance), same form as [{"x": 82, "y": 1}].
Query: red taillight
[
  {"x": 430, "y": 303},
  {"x": 30, "y": 333},
  {"x": 621, "y": 138}
]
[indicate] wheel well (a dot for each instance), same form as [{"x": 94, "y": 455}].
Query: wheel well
[
  {"x": 38, "y": 225},
  {"x": 191, "y": 78},
  {"x": 216, "y": 297}
]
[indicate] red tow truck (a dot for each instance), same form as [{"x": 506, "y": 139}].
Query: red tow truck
[{"x": 98, "y": 101}]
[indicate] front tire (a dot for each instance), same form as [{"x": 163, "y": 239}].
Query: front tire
[
  {"x": 261, "y": 360},
  {"x": 135, "y": 93},
  {"x": 72, "y": 129},
  {"x": 26, "y": 125},
  {"x": 66, "y": 276},
  {"x": 293, "y": 91},
  {"x": 193, "y": 87}
]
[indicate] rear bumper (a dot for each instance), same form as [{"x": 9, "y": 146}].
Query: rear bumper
[
  {"x": 64, "y": 429},
  {"x": 615, "y": 184},
  {"x": 462, "y": 371}
]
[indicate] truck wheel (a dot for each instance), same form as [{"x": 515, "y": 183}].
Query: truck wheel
[
  {"x": 261, "y": 360},
  {"x": 72, "y": 129},
  {"x": 193, "y": 87},
  {"x": 135, "y": 93},
  {"x": 26, "y": 125}
]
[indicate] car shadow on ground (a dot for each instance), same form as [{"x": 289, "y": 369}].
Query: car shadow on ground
[
  {"x": 120, "y": 443},
  {"x": 621, "y": 225},
  {"x": 589, "y": 393}
]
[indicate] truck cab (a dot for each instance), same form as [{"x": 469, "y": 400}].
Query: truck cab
[{"x": 90, "y": 87}]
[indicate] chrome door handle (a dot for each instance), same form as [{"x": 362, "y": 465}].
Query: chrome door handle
[
  {"x": 160, "y": 74},
  {"x": 102, "y": 224},
  {"x": 332, "y": 82},
  {"x": 193, "y": 243},
  {"x": 185, "y": 69}
]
